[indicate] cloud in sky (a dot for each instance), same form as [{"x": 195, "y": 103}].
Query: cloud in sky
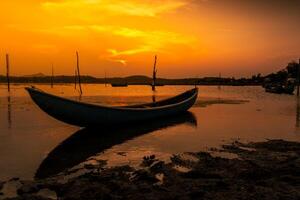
[
  {"x": 148, "y": 41},
  {"x": 123, "y": 62},
  {"x": 114, "y": 52},
  {"x": 124, "y": 7},
  {"x": 205, "y": 35}
]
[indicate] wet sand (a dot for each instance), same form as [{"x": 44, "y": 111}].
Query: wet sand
[{"x": 254, "y": 170}]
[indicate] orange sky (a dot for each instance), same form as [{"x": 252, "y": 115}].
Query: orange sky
[{"x": 191, "y": 37}]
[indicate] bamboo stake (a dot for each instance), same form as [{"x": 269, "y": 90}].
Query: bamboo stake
[
  {"x": 78, "y": 72},
  {"x": 7, "y": 73},
  {"x": 52, "y": 76},
  {"x": 154, "y": 74},
  {"x": 9, "y": 111},
  {"x": 105, "y": 81},
  {"x": 75, "y": 79},
  {"x": 196, "y": 81},
  {"x": 219, "y": 86}
]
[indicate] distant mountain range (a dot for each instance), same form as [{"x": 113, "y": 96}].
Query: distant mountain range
[
  {"x": 35, "y": 75},
  {"x": 132, "y": 80},
  {"x": 290, "y": 71}
]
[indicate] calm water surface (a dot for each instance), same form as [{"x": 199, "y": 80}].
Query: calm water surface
[{"x": 32, "y": 143}]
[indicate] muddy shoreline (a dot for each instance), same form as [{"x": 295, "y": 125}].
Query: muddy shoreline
[{"x": 258, "y": 170}]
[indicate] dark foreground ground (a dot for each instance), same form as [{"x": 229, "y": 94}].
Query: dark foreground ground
[{"x": 262, "y": 170}]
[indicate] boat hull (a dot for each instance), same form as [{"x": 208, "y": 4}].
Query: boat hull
[{"x": 90, "y": 115}]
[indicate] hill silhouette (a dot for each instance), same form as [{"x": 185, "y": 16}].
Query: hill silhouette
[
  {"x": 35, "y": 75},
  {"x": 131, "y": 80}
]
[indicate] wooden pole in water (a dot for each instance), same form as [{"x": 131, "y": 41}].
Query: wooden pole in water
[
  {"x": 298, "y": 78},
  {"x": 105, "y": 80},
  {"x": 75, "y": 79},
  {"x": 52, "y": 76},
  {"x": 7, "y": 73},
  {"x": 219, "y": 86},
  {"x": 154, "y": 74},
  {"x": 78, "y": 72},
  {"x": 9, "y": 111}
]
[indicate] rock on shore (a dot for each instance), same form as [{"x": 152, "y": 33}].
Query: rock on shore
[{"x": 261, "y": 170}]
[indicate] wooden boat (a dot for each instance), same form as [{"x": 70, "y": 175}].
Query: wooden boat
[
  {"x": 286, "y": 87},
  {"x": 87, "y": 115},
  {"x": 280, "y": 89}
]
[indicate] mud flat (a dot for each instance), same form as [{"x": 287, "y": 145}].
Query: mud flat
[{"x": 255, "y": 170}]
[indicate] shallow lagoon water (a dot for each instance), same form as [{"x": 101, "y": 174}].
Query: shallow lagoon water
[{"x": 29, "y": 137}]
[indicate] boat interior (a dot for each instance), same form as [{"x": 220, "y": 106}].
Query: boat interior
[{"x": 173, "y": 100}]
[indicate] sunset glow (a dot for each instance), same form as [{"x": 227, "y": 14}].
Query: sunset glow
[{"x": 191, "y": 37}]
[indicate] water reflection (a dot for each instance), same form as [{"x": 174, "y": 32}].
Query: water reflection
[
  {"x": 153, "y": 98},
  {"x": 9, "y": 121},
  {"x": 88, "y": 142}
]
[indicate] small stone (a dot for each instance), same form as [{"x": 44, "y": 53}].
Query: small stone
[
  {"x": 89, "y": 166},
  {"x": 46, "y": 193},
  {"x": 28, "y": 187},
  {"x": 157, "y": 166},
  {"x": 144, "y": 175},
  {"x": 148, "y": 160},
  {"x": 121, "y": 153},
  {"x": 14, "y": 179}
]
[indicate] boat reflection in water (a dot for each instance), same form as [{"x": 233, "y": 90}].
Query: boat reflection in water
[{"x": 88, "y": 142}]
